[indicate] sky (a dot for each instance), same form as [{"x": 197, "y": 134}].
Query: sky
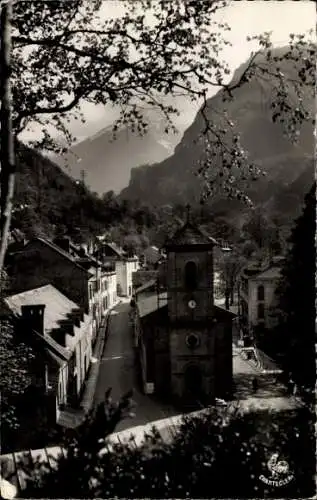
[{"x": 245, "y": 18}]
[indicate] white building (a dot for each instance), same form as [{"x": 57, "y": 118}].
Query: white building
[
  {"x": 124, "y": 269},
  {"x": 257, "y": 294},
  {"x": 108, "y": 287},
  {"x": 125, "y": 265}
]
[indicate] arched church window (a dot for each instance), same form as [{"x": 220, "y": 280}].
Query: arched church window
[
  {"x": 261, "y": 292},
  {"x": 191, "y": 275}
]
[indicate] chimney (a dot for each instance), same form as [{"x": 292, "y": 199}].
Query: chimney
[
  {"x": 82, "y": 252},
  {"x": 33, "y": 317},
  {"x": 78, "y": 316}
]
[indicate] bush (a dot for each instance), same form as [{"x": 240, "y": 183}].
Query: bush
[{"x": 215, "y": 455}]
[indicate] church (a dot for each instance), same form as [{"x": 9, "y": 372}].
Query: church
[{"x": 184, "y": 341}]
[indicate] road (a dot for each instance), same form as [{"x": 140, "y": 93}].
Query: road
[{"x": 118, "y": 371}]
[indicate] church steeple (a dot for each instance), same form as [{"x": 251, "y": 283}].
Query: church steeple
[{"x": 191, "y": 235}]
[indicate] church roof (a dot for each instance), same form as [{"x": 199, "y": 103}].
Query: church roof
[{"x": 190, "y": 234}]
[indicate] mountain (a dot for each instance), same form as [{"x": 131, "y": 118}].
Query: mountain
[
  {"x": 107, "y": 163},
  {"x": 173, "y": 179}
]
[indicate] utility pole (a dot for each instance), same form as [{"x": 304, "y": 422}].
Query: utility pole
[
  {"x": 83, "y": 177},
  {"x": 7, "y": 173}
]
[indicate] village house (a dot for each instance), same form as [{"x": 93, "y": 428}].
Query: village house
[
  {"x": 184, "y": 340},
  {"x": 61, "y": 333},
  {"x": 258, "y": 283},
  {"x": 41, "y": 262},
  {"x": 125, "y": 266},
  {"x": 103, "y": 289},
  {"x": 77, "y": 275}
]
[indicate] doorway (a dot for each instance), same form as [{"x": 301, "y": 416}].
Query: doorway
[{"x": 193, "y": 384}]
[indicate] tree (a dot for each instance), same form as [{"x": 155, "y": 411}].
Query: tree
[
  {"x": 232, "y": 264},
  {"x": 296, "y": 296},
  {"x": 64, "y": 54},
  {"x": 256, "y": 227},
  {"x": 15, "y": 357},
  {"x": 7, "y": 167}
]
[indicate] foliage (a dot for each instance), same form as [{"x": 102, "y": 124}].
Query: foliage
[
  {"x": 229, "y": 272},
  {"x": 215, "y": 455},
  {"x": 15, "y": 358},
  {"x": 64, "y": 55},
  {"x": 261, "y": 230},
  {"x": 296, "y": 294}
]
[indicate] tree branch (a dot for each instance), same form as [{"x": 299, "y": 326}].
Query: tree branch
[
  {"x": 230, "y": 87},
  {"x": 55, "y": 109}
]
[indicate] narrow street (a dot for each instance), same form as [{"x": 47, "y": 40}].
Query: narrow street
[{"x": 118, "y": 371}]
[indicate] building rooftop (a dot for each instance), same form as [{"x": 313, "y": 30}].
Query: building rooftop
[
  {"x": 56, "y": 248},
  {"x": 149, "y": 284},
  {"x": 190, "y": 234},
  {"x": 273, "y": 272},
  {"x": 264, "y": 270},
  {"x": 151, "y": 303},
  {"x": 58, "y": 308},
  {"x": 112, "y": 250}
]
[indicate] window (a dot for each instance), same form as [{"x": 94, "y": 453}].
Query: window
[
  {"x": 191, "y": 275},
  {"x": 261, "y": 292},
  {"x": 192, "y": 340},
  {"x": 260, "y": 311},
  {"x": 60, "y": 393}
]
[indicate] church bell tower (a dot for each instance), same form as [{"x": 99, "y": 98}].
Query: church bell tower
[{"x": 193, "y": 324}]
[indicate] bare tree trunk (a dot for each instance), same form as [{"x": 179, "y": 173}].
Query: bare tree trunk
[{"x": 7, "y": 174}]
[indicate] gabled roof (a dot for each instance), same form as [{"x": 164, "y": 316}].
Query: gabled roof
[
  {"x": 57, "y": 308},
  {"x": 263, "y": 270},
  {"x": 190, "y": 234},
  {"x": 111, "y": 250},
  {"x": 273, "y": 272},
  {"x": 57, "y": 249}
]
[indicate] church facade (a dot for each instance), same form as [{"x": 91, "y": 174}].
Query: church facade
[{"x": 185, "y": 341}]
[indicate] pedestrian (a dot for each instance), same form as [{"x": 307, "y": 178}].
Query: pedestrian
[{"x": 254, "y": 385}]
